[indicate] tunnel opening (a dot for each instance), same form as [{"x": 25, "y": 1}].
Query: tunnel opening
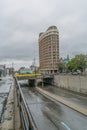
[
  {"x": 45, "y": 82},
  {"x": 39, "y": 83},
  {"x": 31, "y": 82},
  {"x": 48, "y": 81}
]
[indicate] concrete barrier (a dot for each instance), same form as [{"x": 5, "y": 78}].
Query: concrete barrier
[
  {"x": 63, "y": 101},
  {"x": 76, "y": 83}
]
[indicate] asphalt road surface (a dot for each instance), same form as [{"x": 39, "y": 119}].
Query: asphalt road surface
[
  {"x": 52, "y": 115},
  {"x": 75, "y": 98}
]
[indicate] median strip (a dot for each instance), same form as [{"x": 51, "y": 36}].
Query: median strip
[{"x": 67, "y": 103}]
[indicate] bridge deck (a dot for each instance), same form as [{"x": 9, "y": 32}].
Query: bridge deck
[
  {"x": 27, "y": 75},
  {"x": 32, "y": 76}
]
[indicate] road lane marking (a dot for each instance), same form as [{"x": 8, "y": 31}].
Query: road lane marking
[{"x": 65, "y": 125}]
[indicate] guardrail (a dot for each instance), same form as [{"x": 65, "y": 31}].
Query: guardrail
[{"x": 27, "y": 121}]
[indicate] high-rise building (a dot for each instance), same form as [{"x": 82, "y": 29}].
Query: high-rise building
[{"x": 49, "y": 50}]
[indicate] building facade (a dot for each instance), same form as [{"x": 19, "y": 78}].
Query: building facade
[{"x": 49, "y": 50}]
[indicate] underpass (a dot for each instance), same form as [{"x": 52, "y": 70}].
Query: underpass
[
  {"x": 75, "y": 98},
  {"x": 49, "y": 114}
]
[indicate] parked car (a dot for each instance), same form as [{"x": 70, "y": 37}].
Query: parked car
[{"x": 75, "y": 73}]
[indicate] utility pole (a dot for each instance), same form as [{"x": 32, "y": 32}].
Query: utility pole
[{"x": 12, "y": 68}]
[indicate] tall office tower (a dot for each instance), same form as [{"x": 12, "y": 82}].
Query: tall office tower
[{"x": 49, "y": 50}]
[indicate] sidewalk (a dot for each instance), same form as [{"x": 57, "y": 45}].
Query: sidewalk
[{"x": 63, "y": 101}]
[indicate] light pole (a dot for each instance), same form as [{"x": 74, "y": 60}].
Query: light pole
[{"x": 12, "y": 68}]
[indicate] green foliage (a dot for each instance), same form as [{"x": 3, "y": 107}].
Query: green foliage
[
  {"x": 0, "y": 73},
  {"x": 61, "y": 67},
  {"x": 77, "y": 63}
]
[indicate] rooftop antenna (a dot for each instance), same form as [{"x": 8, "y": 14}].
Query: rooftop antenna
[{"x": 33, "y": 63}]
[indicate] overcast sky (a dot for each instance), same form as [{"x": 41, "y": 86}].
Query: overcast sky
[{"x": 21, "y": 21}]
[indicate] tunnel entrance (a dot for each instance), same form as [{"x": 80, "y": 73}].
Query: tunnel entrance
[
  {"x": 31, "y": 82},
  {"x": 48, "y": 81},
  {"x": 39, "y": 83}
]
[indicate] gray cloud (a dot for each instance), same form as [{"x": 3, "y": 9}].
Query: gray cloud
[{"x": 21, "y": 21}]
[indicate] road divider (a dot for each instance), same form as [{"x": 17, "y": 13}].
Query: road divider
[{"x": 63, "y": 101}]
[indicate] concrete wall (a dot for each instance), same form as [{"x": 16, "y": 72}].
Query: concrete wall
[{"x": 72, "y": 82}]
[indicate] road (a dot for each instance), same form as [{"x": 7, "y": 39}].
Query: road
[
  {"x": 5, "y": 84},
  {"x": 52, "y": 115},
  {"x": 75, "y": 98}
]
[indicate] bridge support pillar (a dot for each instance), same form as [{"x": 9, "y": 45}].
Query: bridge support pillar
[{"x": 35, "y": 82}]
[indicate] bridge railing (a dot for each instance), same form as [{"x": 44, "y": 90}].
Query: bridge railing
[{"x": 27, "y": 121}]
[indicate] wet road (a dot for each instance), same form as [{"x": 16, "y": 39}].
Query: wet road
[
  {"x": 5, "y": 84},
  {"x": 51, "y": 115},
  {"x": 80, "y": 100}
]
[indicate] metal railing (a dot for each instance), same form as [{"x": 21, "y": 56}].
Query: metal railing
[{"x": 27, "y": 121}]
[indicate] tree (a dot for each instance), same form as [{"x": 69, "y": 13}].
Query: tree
[
  {"x": 61, "y": 67},
  {"x": 0, "y": 73},
  {"x": 79, "y": 62}
]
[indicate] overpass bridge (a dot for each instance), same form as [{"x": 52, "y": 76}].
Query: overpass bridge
[
  {"x": 27, "y": 76},
  {"x": 35, "y": 79}
]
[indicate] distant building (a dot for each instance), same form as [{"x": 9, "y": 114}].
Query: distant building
[
  {"x": 9, "y": 71},
  {"x": 2, "y": 70},
  {"x": 49, "y": 50},
  {"x": 25, "y": 71},
  {"x": 66, "y": 60},
  {"x": 62, "y": 63}
]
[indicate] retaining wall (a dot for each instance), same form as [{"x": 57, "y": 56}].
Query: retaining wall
[{"x": 76, "y": 83}]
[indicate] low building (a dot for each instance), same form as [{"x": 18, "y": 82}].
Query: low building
[
  {"x": 2, "y": 70},
  {"x": 25, "y": 71}
]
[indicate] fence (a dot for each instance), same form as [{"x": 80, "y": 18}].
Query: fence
[{"x": 27, "y": 121}]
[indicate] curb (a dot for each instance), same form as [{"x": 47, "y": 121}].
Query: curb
[{"x": 67, "y": 103}]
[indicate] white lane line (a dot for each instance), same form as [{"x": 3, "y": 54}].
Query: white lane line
[{"x": 66, "y": 126}]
